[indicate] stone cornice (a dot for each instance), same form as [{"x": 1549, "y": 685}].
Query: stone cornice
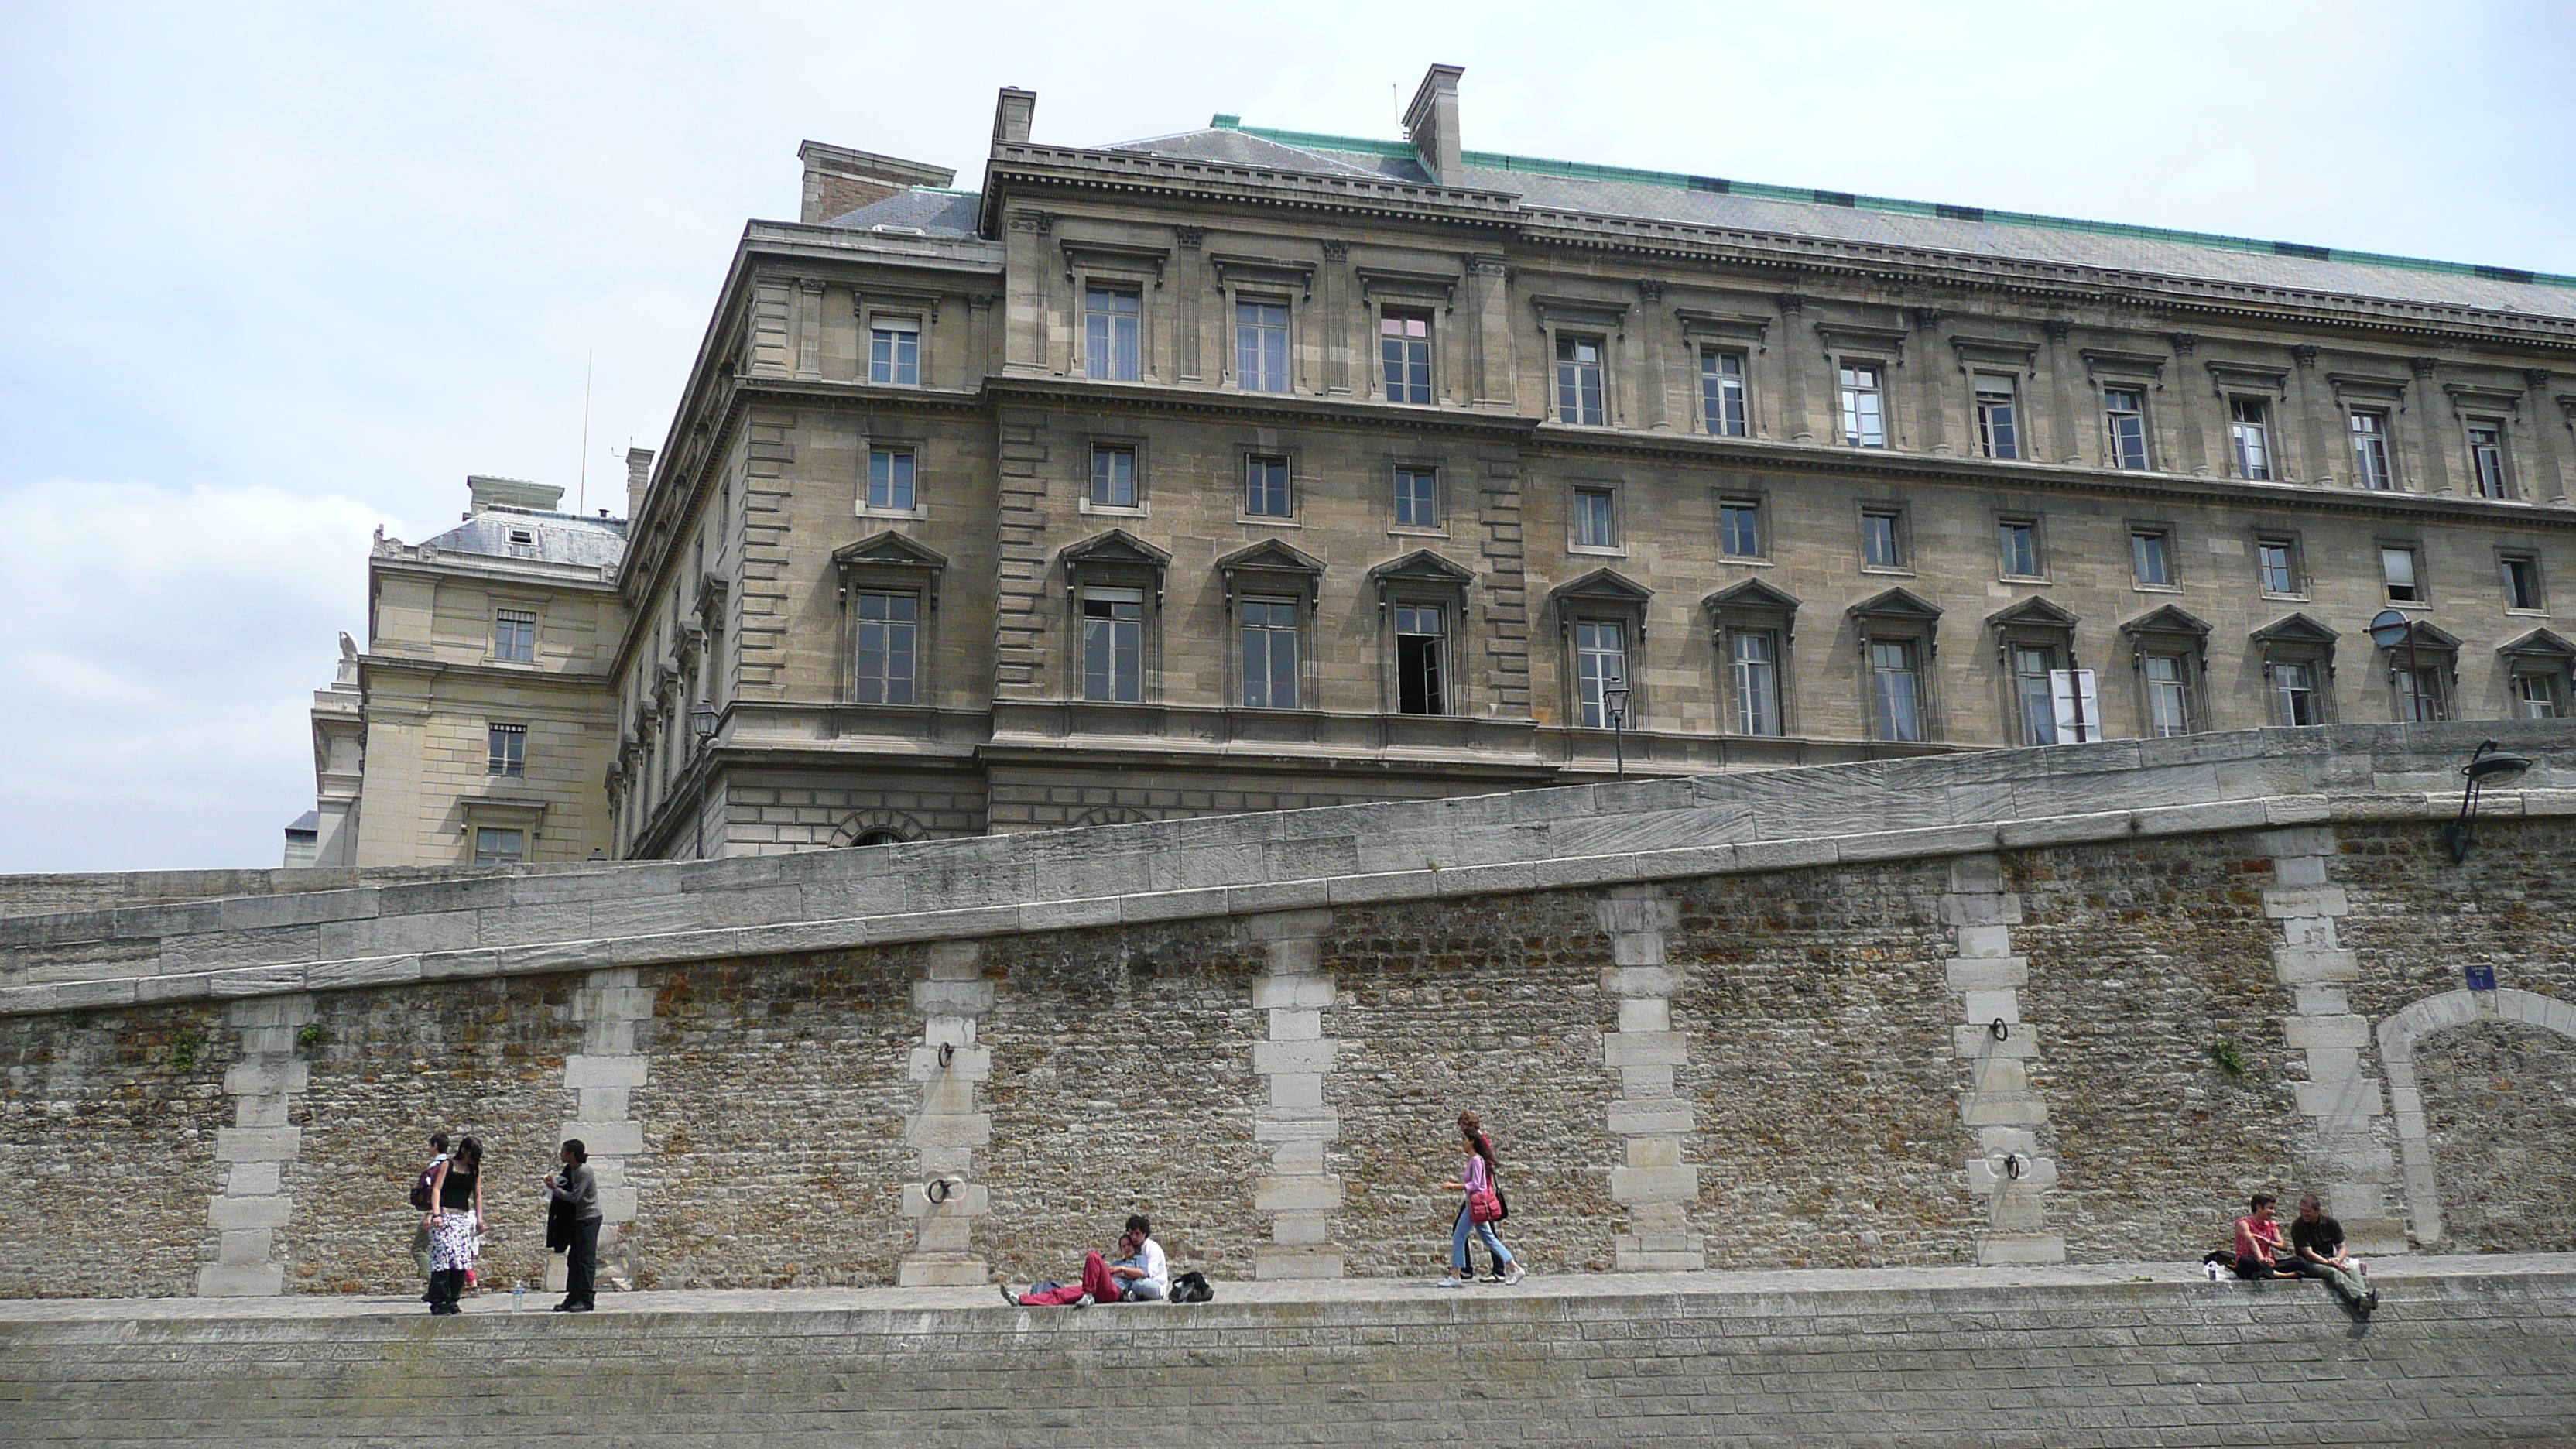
[{"x": 490, "y": 673}]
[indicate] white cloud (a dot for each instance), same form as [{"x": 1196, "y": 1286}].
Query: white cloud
[{"x": 168, "y": 647}]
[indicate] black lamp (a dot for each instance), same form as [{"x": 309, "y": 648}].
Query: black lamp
[
  {"x": 1614, "y": 702},
  {"x": 2481, "y": 768},
  {"x": 704, "y": 717}
]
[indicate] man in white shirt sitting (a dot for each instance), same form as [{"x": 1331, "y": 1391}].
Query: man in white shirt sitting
[{"x": 1142, "y": 1276}]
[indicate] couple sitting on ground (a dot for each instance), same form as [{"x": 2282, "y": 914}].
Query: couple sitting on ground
[
  {"x": 2315, "y": 1250},
  {"x": 1142, "y": 1275}
]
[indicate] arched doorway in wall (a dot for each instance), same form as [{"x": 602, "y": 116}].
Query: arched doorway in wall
[
  {"x": 877, "y": 827},
  {"x": 2483, "y": 1088}
]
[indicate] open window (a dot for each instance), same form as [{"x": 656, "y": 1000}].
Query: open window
[
  {"x": 2298, "y": 655},
  {"x": 1422, "y": 607},
  {"x": 2034, "y": 643}
]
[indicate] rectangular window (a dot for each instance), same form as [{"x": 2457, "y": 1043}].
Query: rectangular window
[
  {"x": 1579, "y": 396},
  {"x": 2486, "y": 459},
  {"x": 890, "y": 478},
  {"x": 1882, "y": 544},
  {"x": 2535, "y": 696},
  {"x": 2020, "y": 540},
  {"x": 894, "y": 354},
  {"x": 2031, "y": 668},
  {"x": 1755, "y": 660},
  {"x": 1739, "y": 527},
  {"x": 2124, "y": 411},
  {"x": 1265, "y": 488},
  {"x": 1418, "y": 638},
  {"x": 2294, "y": 687},
  {"x": 2168, "y": 705},
  {"x": 1896, "y": 696},
  {"x": 2276, "y": 560},
  {"x": 1721, "y": 392},
  {"x": 508, "y": 750},
  {"x": 1269, "y": 629},
  {"x": 1113, "y": 477},
  {"x": 1261, "y": 346},
  {"x": 499, "y": 847},
  {"x": 886, "y": 629},
  {"x": 514, "y": 636},
  {"x": 1595, "y": 525},
  {"x": 1417, "y": 498},
  {"x": 1998, "y": 431},
  {"x": 2250, "y": 435},
  {"x": 1109, "y": 333},
  {"x": 1600, "y": 663},
  {"x": 2420, "y": 694},
  {"x": 2522, "y": 582},
  {"x": 1113, "y": 645},
  {"x": 1864, "y": 407},
  {"x": 2151, "y": 557},
  {"x": 1404, "y": 349},
  {"x": 2370, "y": 449},
  {"x": 2398, "y": 566}
]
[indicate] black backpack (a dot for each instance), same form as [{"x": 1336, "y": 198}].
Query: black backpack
[
  {"x": 420, "y": 1191},
  {"x": 1192, "y": 1287}
]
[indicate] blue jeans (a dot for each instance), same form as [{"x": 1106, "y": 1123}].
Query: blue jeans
[{"x": 1485, "y": 1232}]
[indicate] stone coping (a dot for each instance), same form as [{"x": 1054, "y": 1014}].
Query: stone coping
[
  {"x": 1239, "y": 865},
  {"x": 1823, "y": 1290}
]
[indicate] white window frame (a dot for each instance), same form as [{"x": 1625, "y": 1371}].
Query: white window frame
[
  {"x": 1722, "y": 392},
  {"x": 1983, "y": 388}
]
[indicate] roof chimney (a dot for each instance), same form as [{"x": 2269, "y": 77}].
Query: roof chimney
[
  {"x": 839, "y": 180},
  {"x": 1012, "y": 112},
  {"x": 639, "y": 476},
  {"x": 1431, "y": 124},
  {"x": 511, "y": 493}
]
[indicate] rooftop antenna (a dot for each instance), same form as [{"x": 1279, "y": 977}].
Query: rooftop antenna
[{"x": 581, "y": 499}]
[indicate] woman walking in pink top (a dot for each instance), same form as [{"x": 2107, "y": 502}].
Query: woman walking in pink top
[{"x": 1481, "y": 1209}]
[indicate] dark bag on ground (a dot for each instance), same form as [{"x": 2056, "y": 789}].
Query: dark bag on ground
[{"x": 1192, "y": 1288}]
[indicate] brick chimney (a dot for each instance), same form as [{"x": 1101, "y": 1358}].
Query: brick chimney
[
  {"x": 839, "y": 180},
  {"x": 1013, "y": 110},
  {"x": 1431, "y": 124},
  {"x": 639, "y": 476}
]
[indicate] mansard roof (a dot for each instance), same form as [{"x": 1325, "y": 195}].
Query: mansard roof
[
  {"x": 1967, "y": 232},
  {"x": 934, "y": 210}
]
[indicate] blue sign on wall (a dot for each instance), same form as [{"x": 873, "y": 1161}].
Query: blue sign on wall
[{"x": 2481, "y": 978}]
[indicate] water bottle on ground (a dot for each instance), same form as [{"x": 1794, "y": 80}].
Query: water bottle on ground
[{"x": 518, "y": 1294}]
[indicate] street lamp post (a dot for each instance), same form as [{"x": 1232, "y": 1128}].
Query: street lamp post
[
  {"x": 2485, "y": 763},
  {"x": 2388, "y": 630},
  {"x": 1614, "y": 702}
]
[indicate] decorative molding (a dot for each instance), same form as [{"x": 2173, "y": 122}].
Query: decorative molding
[
  {"x": 2423, "y": 365},
  {"x": 1121, "y": 257},
  {"x": 2469, "y": 396},
  {"x": 2304, "y": 355},
  {"x": 2381, "y": 389},
  {"x": 2184, "y": 343},
  {"x": 2057, "y": 328},
  {"x": 1336, "y": 250},
  {"x": 1839, "y": 337},
  {"x": 1650, "y": 291},
  {"x": 2247, "y": 375},
  {"x": 2099, "y": 360},
  {"x": 1485, "y": 264},
  {"x": 1561, "y": 311},
  {"x": 1726, "y": 326},
  {"x": 1990, "y": 350},
  {"x": 1418, "y": 286},
  {"x": 1234, "y": 269},
  {"x": 1189, "y": 237}
]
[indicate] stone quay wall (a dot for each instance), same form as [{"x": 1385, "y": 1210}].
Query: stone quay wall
[{"x": 2038, "y": 1006}]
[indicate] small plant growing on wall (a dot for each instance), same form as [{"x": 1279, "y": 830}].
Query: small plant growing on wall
[
  {"x": 183, "y": 1050},
  {"x": 313, "y": 1035},
  {"x": 2231, "y": 1061}
]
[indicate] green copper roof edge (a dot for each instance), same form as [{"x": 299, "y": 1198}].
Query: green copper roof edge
[{"x": 1584, "y": 171}]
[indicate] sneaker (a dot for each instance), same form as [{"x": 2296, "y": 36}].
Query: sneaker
[
  {"x": 1491, "y": 1278},
  {"x": 1009, "y": 1299},
  {"x": 1453, "y": 1281},
  {"x": 1513, "y": 1276},
  {"x": 1085, "y": 1301},
  {"x": 2370, "y": 1302}
]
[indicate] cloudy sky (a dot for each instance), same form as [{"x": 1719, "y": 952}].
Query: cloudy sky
[{"x": 274, "y": 275}]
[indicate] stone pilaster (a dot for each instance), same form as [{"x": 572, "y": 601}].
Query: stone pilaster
[
  {"x": 2344, "y": 1151},
  {"x": 2007, "y": 1173},
  {"x": 256, "y": 1151},
  {"x": 599, "y": 1082},
  {"x": 1298, "y": 1193},
  {"x": 1653, "y": 1185},
  {"x": 809, "y": 330},
  {"x": 944, "y": 1201},
  {"x": 1495, "y": 375}
]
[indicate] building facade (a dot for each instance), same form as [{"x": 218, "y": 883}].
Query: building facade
[{"x": 1242, "y": 469}]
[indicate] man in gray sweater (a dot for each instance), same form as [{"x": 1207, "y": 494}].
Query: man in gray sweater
[{"x": 577, "y": 1190}]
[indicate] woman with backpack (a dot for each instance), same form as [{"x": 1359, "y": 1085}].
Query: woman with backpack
[
  {"x": 1482, "y": 1208},
  {"x": 455, "y": 1208}
]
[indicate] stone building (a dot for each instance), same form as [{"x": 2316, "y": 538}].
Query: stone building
[
  {"x": 477, "y": 725},
  {"x": 1240, "y": 468}
]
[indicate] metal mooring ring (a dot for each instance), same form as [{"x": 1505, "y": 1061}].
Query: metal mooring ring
[{"x": 2001, "y": 1029}]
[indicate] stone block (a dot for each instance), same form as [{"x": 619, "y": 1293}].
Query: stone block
[
  {"x": 1296, "y": 1194},
  {"x": 2298, "y": 966},
  {"x": 2208, "y": 819},
  {"x": 965, "y": 1199},
  {"x": 582, "y": 1071},
  {"x": 1660, "y": 1149},
  {"x": 1630, "y": 1255},
  {"x": 1987, "y": 1176},
  {"x": 257, "y": 1144},
  {"x": 952, "y": 998},
  {"x": 2003, "y": 1109},
  {"x": 1910, "y": 844},
  {"x": 1302, "y": 1229},
  {"x": 2298, "y": 809},
  {"x": 1073, "y": 915},
  {"x": 1292, "y": 993},
  {"x": 1640, "y": 981},
  {"x": 1300, "y": 956},
  {"x": 949, "y": 1129},
  {"x": 1297, "y": 1159},
  {"x": 1632, "y": 1118},
  {"x": 266, "y": 1078},
  {"x": 1987, "y": 1007},
  {"x": 1645, "y": 1049},
  {"x": 1640, "y": 1016},
  {"x": 1294, "y": 1025},
  {"x": 1977, "y": 874},
  {"x": 941, "y": 1270},
  {"x": 1296, "y": 1091},
  {"x": 259, "y": 1111},
  {"x": 1287, "y": 1058},
  {"x": 1276, "y": 897},
  {"x": 1981, "y": 910},
  {"x": 365, "y": 971},
  {"x": 2287, "y": 902},
  {"x": 618, "y": 1204},
  {"x": 2348, "y": 1098},
  {"x": 248, "y": 1280},
  {"x": 243, "y": 1248},
  {"x": 1636, "y": 912},
  {"x": 965, "y": 1064},
  {"x": 1964, "y": 974},
  {"x": 258, "y": 981},
  {"x": 244, "y": 1214},
  {"x": 2321, "y": 1000},
  {"x": 1979, "y": 1041},
  {"x": 251, "y": 1179},
  {"x": 1285, "y": 925},
  {"x": 2299, "y": 870},
  {"x": 2000, "y": 1249},
  {"x": 607, "y": 1139},
  {"x": 1999, "y": 1074},
  {"x": 1637, "y": 949},
  {"x": 1654, "y": 1184},
  {"x": 1273, "y": 1262},
  {"x": 280, "y": 1011},
  {"x": 1985, "y": 942},
  {"x": 946, "y": 1094}
]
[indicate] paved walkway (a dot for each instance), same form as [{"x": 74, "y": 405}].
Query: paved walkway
[{"x": 1343, "y": 1290}]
